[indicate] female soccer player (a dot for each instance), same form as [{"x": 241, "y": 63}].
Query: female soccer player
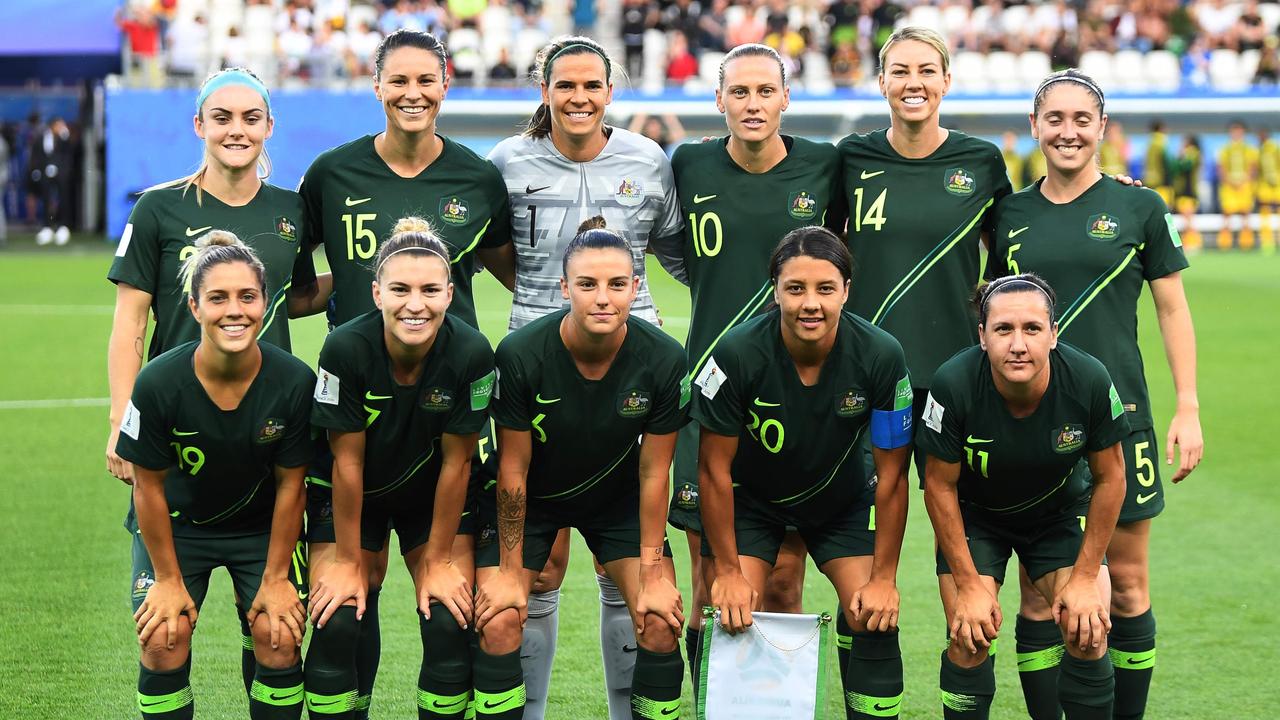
[
  {"x": 731, "y": 230},
  {"x": 353, "y": 195},
  {"x": 566, "y": 167},
  {"x": 233, "y": 118},
  {"x": 219, "y": 436},
  {"x": 593, "y": 365},
  {"x": 1097, "y": 242},
  {"x": 785, "y": 401},
  {"x": 1005, "y": 428},
  {"x": 402, "y": 391}
]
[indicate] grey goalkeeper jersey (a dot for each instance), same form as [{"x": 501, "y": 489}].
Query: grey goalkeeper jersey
[{"x": 629, "y": 183}]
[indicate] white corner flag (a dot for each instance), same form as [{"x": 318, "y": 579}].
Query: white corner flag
[{"x": 773, "y": 671}]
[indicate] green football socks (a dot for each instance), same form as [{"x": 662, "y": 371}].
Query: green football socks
[
  {"x": 1086, "y": 688},
  {"x": 873, "y": 681},
  {"x": 655, "y": 688},
  {"x": 368, "y": 653},
  {"x": 330, "y": 668},
  {"x": 248, "y": 664},
  {"x": 1040, "y": 649},
  {"x": 276, "y": 694},
  {"x": 693, "y": 651},
  {"x": 966, "y": 692},
  {"x": 165, "y": 695},
  {"x": 444, "y": 682},
  {"x": 1132, "y": 647},
  {"x": 844, "y": 641},
  {"x": 499, "y": 686}
]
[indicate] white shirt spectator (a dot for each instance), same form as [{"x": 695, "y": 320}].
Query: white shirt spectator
[
  {"x": 363, "y": 44},
  {"x": 189, "y": 46}
]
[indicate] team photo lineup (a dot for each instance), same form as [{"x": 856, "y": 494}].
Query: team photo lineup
[{"x": 876, "y": 322}]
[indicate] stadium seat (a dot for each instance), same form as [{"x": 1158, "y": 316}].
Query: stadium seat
[
  {"x": 817, "y": 74},
  {"x": 528, "y": 42},
  {"x": 1002, "y": 71},
  {"x": 1270, "y": 13},
  {"x": 1033, "y": 66},
  {"x": 955, "y": 17},
  {"x": 1162, "y": 70},
  {"x": 1129, "y": 71},
  {"x": 709, "y": 67},
  {"x": 1097, "y": 64},
  {"x": 1014, "y": 19},
  {"x": 1249, "y": 64},
  {"x": 466, "y": 52},
  {"x": 925, "y": 16},
  {"x": 1225, "y": 71},
  {"x": 969, "y": 72}
]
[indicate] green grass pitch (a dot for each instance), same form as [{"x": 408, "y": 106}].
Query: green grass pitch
[{"x": 68, "y": 648}]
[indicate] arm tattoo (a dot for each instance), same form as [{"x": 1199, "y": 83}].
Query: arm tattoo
[
  {"x": 137, "y": 346},
  {"x": 511, "y": 506}
]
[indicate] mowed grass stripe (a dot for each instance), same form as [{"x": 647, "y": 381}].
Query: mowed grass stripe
[{"x": 64, "y": 581}]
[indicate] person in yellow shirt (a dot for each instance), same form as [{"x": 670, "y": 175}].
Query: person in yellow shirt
[
  {"x": 1268, "y": 188},
  {"x": 1013, "y": 162},
  {"x": 1114, "y": 153},
  {"x": 1035, "y": 168},
  {"x": 1186, "y": 178},
  {"x": 1237, "y": 175},
  {"x": 1155, "y": 169}
]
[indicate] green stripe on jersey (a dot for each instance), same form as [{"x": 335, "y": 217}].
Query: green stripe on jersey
[{"x": 1073, "y": 311}]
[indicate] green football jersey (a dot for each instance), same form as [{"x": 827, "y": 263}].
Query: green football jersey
[
  {"x": 220, "y": 463},
  {"x": 735, "y": 220},
  {"x": 586, "y": 433},
  {"x": 161, "y": 235},
  {"x": 798, "y": 445},
  {"x": 1096, "y": 252},
  {"x": 914, "y": 229},
  {"x": 1021, "y": 468},
  {"x": 402, "y": 424},
  {"x": 354, "y": 200}
]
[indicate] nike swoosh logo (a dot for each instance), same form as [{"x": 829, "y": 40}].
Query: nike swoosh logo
[
  {"x": 628, "y": 648},
  {"x": 762, "y": 403},
  {"x": 699, "y": 199},
  {"x": 353, "y": 203},
  {"x": 878, "y": 706},
  {"x": 868, "y": 175},
  {"x": 368, "y": 395},
  {"x": 290, "y": 696},
  {"x": 453, "y": 706},
  {"x": 977, "y": 441},
  {"x": 303, "y": 595},
  {"x": 670, "y": 711},
  {"x": 317, "y": 703},
  {"x": 151, "y": 704},
  {"x": 529, "y": 189},
  {"x": 544, "y": 401},
  {"x": 491, "y": 705},
  {"x": 180, "y": 433},
  {"x": 197, "y": 231},
  {"x": 1139, "y": 661},
  {"x": 1015, "y": 233},
  {"x": 1142, "y": 499}
]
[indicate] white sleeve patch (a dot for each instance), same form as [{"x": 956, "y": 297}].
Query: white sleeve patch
[
  {"x": 933, "y": 412},
  {"x": 327, "y": 385},
  {"x": 131, "y": 423},
  {"x": 710, "y": 379},
  {"x": 123, "y": 246}
]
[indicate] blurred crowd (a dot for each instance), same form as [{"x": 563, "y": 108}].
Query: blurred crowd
[{"x": 493, "y": 41}]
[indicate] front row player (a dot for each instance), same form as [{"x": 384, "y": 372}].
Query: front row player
[
  {"x": 588, "y": 403},
  {"x": 1005, "y": 429},
  {"x": 402, "y": 391},
  {"x": 785, "y": 401},
  {"x": 218, "y": 431}
]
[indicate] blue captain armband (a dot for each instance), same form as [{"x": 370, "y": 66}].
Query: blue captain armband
[{"x": 891, "y": 429}]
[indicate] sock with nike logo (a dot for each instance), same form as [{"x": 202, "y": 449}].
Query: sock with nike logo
[
  {"x": 966, "y": 692},
  {"x": 693, "y": 651},
  {"x": 276, "y": 693},
  {"x": 1132, "y": 646},
  {"x": 444, "y": 682},
  {"x": 248, "y": 664},
  {"x": 844, "y": 641},
  {"x": 368, "y": 653},
  {"x": 873, "y": 678},
  {"x": 166, "y": 694},
  {"x": 499, "y": 686},
  {"x": 538, "y": 650},
  {"x": 330, "y": 667},
  {"x": 655, "y": 690},
  {"x": 617, "y": 648},
  {"x": 1040, "y": 650},
  {"x": 1086, "y": 688}
]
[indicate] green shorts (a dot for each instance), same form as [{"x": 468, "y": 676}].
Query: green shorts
[
  {"x": 612, "y": 533},
  {"x": 760, "y": 534},
  {"x": 684, "y": 513},
  {"x": 244, "y": 557},
  {"x": 1042, "y": 546},
  {"x": 1144, "y": 492}
]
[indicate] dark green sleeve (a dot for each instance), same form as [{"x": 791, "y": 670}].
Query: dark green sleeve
[
  {"x": 838, "y": 208},
  {"x": 137, "y": 260},
  {"x": 1107, "y": 422},
  {"x": 718, "y": 398},
  {"x": 499, "y": 231},
  {"x": 997, "y": 262},
  {"x": 471, "y": 412},
  {"x": 510, "y": 406},
  {"x": 310, "y": 188},
  {"x": 297, "y": 448},
  {"x": 1162, "y": 246},
  {"x": 304, "y": 267},
  {"x": 1000, "y": 172},
  {"x": 143, "y": 440},
  {"x": 671, "y": 402},
  {"x": 941, "y": 429},
  {"x": 336, "y": 402}
]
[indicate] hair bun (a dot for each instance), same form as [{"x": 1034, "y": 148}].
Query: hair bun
[
  {"x": 218, "y": 238},
  {"x": 414, "y": 224},
  {"x": 593, "y": 223}
]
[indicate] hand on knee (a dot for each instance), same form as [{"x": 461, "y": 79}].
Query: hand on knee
[
  {"x": 287, "y": 648},
  {"x": 961, "y": 657},
  {"x": 156, "y": 654},
  {"x": 502, "y": 634},
  {"x": 658, "y": 635}
]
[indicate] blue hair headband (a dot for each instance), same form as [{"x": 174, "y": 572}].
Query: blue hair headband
[{"x": 232, "y": 77}]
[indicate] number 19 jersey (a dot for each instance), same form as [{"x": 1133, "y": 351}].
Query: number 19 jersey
[{"x": 353, "y": 200}]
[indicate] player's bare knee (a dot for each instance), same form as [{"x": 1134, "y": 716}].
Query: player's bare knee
[
  {"x": 285, "y": 655},
  {"x": 502, "y": 634},
  {"x": 961, "y": 656},
  {"x": 156, "y": 654},
  {"x": 658, "y": 636},
  {"x": 1088, "y": 653},
  {"x": 1130, "y": 592}
]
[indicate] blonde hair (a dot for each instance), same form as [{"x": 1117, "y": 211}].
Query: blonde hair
[
  {"x": 193, "y": 180},
  {"x": 414, "y": 235},
  {"x": 218, "y": 247},
  {"x": 918, "y": 33}
]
